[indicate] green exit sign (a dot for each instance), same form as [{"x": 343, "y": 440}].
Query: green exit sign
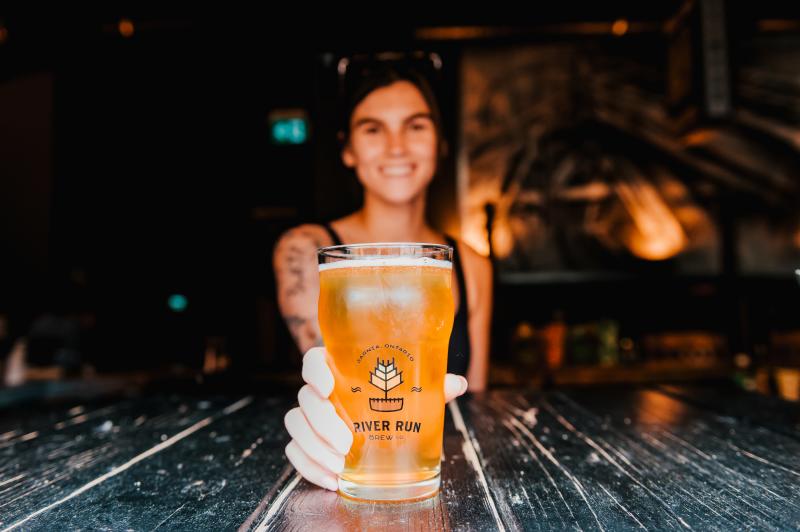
[{"x": 288, "y": 126}]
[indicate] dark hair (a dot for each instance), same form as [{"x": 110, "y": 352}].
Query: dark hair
[{"x": 365, "y": 76}]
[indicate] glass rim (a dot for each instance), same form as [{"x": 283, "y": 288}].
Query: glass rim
[{"x": 335, "y": 251}]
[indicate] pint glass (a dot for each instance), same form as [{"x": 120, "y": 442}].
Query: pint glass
[{"x": 386, "y": 312}]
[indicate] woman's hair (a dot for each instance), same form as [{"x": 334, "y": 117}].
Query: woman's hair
[{"x": 362, "y": 79}]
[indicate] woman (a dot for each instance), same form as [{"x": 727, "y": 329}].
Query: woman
[{"x": 392, "y": 139}]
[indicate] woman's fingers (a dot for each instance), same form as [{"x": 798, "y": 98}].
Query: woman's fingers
[
  {"x": 316, "y": 371},
  {"x": 309, "y": 469},
  {"x": 315, "y": 427},
  {"x": 311, "y": 444},
  {"x": 454, "y": 385},
  {"x": 322, "y": 417}
]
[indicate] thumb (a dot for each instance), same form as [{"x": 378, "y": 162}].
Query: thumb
[{"x": 454, "y": 385}]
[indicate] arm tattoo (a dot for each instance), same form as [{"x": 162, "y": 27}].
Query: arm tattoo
[
  {"x": 299, "y": 259},
  {"x": 296, "y": 259},
  {"x": 294, "y": 268},
  {"x": 304, "y": 331}
]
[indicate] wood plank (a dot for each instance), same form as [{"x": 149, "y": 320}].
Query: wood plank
[
  {"x": 690, "y": 464},
  {"x": 462, "y": 504},
  {"x": 614, "y": 460},
  {"x": 211, "y": 480},
  {"x": 48, "y": 475},
  {"x": 776, "y": 414},
  {"x": 600, "y": 458}
]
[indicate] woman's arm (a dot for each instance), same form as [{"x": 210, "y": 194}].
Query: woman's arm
[
  {"x": 478, "y": 278},
  {"x": 297, "y": 280}
]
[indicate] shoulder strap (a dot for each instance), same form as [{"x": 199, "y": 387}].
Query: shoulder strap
[{"x": 333, "y": 234}]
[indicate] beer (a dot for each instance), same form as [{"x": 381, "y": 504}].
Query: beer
[{"x": 386, "y": 323}]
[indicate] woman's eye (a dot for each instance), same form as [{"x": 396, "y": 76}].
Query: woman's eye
[
  {"x": 371, "y": 130},
  {"x": 419, "y": 126}
]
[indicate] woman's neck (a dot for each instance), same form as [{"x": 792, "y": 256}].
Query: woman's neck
[{"x": 385, "y": 222}]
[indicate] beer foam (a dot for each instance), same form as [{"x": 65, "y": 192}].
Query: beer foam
[{"x": 388, "y": 261}]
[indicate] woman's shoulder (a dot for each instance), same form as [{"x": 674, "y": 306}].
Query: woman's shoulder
[
  {"x": 310, "y": 233},
  {"x": 471, "y": 259},
  {"x": 304, "y": 236},
  {"x": 477, "y": 274}
]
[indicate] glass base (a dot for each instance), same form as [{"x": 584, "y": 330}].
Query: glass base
[{"x": 391, "y": 492}]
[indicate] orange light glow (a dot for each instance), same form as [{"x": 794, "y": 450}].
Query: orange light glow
[
  {"x": 502, "y": 239},
  {"x": 620, "y": 27},
  {"x": 3, "y": 35},
  {"x": 699, "y": 137},
  {"x": 656, "y": 409},
  {"x": 656, "y": 233},
  {"x": 456, "y": 33},
  {"x": 525, "y": 331},
  {"x": 475, "y": 237},
  {"x": 473, "y": 225},
  {"x": 126, "y": 28}
]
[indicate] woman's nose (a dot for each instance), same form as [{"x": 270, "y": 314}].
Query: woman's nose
[{"x": 397, "y": 144}]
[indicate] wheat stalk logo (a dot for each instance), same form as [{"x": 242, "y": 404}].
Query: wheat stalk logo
[{"x": 385, "y": 378}]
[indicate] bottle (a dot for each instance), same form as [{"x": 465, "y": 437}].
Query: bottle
[{"x": 555, "y": 335}]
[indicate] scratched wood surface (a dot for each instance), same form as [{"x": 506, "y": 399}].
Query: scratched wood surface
[{"x": 593, "y": 459}]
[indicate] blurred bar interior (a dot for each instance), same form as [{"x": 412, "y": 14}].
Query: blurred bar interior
[{"x": 632, "y": 169}]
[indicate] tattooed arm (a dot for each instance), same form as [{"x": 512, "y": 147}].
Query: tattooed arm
[{"x": 297, "y": 278}]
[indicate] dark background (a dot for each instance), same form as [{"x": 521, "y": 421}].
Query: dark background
[{"x": 136, "y": 168}]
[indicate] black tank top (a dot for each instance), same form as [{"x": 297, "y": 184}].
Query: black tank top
[{"x": 458, "y": 352}]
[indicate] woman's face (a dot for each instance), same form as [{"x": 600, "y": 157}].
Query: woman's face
[{"x": 393, "y": 144}]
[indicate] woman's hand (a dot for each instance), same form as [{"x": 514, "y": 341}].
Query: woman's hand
[{"x": 320, "y": 438}]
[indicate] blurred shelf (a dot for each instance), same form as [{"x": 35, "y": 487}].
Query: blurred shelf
[
  {"x": 70, "y": 389},
  {"x": 548, "y": 277},
  {"x": 565, "y": 277},
  {"x": 650, "y": 372},
  {"x": 643, "y": 373}
]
